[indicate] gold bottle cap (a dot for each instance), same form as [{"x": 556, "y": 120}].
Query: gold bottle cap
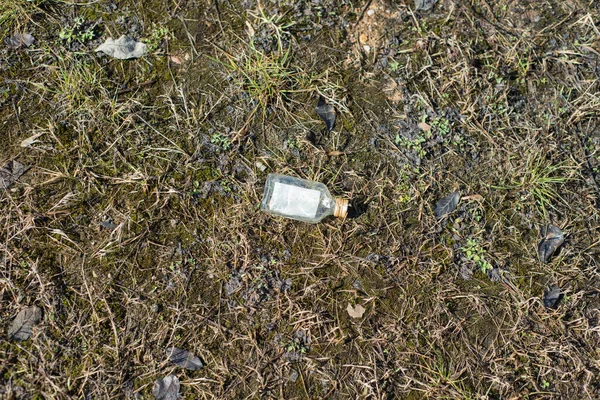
[{"x": 341, "y": 208}]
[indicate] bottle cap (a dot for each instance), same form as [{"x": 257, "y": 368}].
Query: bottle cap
[{"x": 341, "y": 208}]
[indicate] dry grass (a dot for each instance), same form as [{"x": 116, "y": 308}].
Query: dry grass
[{"x": 137, "y": 227}]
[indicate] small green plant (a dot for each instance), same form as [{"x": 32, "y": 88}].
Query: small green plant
[
  {"x": 393, "y": 65},
  {"x": 474, "y": 252},
  {"x": 157, "y": 35},
  {"x": 415, "y": 145},
  {"x": 196, "y": 190},
  {"x": 79, "y": 31},
  {"x": 403, "y": 187},
  {"x": 441, "y": 125},
  {"x": 295, "y": 346},
  {"x": 221, "y": 140},
  {"x": 545, "y": 384},
  {"x": 227, "y": 187}
]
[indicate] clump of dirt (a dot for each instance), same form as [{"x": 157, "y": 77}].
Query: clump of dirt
[{"x": 375, "y": 27}]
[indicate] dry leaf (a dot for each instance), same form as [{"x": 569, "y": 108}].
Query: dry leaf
[
  {"x": 176, "y": 60},
  {"x": 355, "y": 312},
  {"x": 250, "y": 30},
  {"x": 446, "y": 205},
  {"x": 166, "y": 388},
  {"x": 552, "y": 297},
  {"x": 22, "y": 326},
  {"x": 19, "y": 40},
  {"x": 184, "y": 358},
  {"x": 31, "y": 140},
  {"x": 424, "y": 5},
  {"x": 424, "y": 126},
  {"x": 553, "y": 238},
  {"x": 11, "y": 171},
  {"x": 123, "y": 48},
  {"x": 326, "y": 112}
]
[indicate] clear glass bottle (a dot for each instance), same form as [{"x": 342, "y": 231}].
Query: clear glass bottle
[{"x": 300, "y": 199}]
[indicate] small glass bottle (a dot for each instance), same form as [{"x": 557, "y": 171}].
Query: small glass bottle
[{"x": 300, "y": 199}]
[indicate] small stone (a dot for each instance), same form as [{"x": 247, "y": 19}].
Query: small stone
[
  {"x": 262, "y": 167},
  {"x": 370, "y": 12},
  {"x": 367, "y": 48}
]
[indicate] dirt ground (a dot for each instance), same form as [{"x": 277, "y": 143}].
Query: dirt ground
[{"x": 137, "y": 227}]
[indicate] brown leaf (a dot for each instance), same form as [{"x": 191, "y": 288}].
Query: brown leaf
[
  {"x": 424, "y": 126},
  {"x": 176, "y": 60},
  {"x": 355, "y": 312},
  {"x": 31, "y": 140}
]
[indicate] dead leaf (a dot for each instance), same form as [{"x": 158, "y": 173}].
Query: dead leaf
[
  {"x": 123, "y": 48},
  {"x": 335, "y": 153},
  {"x": 326, "y": 112},
  {"x": 108, "y": 224},
  {"x": 22, "y": 326},
  {"x": 552, "y": 296},
  {"x": 355, "y": 312},
  {"x": 31, "y": 140},
  {"x": 176, "y": 60},
  {"x": 424, "y": 5},
  {"x": 12, "y": 171},
  {"x": 424, "y": 126},
  {"x": 166, "y": 388},
  {"x": 184, "y": 359},
  {"x": 19, "y": 40},
  {"x": 446, "y": 205},
  {"x": 250, "y": 30},
  {"x": 552, "y": 239}
]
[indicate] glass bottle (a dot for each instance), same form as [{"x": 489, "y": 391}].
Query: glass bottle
[{"x": 300, "y": 199}]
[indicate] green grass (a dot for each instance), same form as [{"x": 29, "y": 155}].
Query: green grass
[{"x": 541, "y": 182}]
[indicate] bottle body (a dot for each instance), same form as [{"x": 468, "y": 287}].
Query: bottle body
[{"x": 297, "y": 199}]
